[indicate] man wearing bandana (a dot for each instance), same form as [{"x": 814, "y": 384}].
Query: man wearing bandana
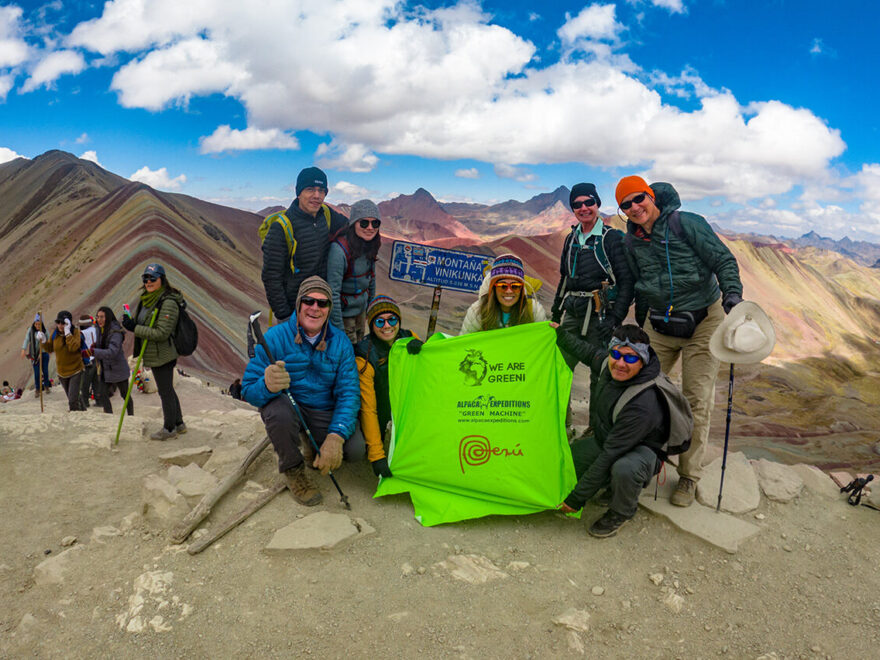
[{"x": 621, "y": 455}]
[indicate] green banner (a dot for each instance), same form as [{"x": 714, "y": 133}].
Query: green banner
[{"x": 479, "y": 425}]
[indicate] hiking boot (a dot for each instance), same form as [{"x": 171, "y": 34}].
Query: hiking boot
[
  {"x": 163, "y": 434},
  {"x": 180, "y": 429},
  {"x": 301, "y": 487},
  {"x": 607, "y": 525},
  {"x": 684, "y": 492}
]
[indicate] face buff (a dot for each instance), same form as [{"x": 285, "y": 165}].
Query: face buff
[{"x": 492, "y": 440}]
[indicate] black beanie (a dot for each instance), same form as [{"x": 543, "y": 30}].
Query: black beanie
[
  {"x": 311, "y": 176},
  {"x": 581, "y": 189}
]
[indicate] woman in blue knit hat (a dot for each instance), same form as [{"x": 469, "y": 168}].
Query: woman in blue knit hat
[{"x": 506, "y": 299}]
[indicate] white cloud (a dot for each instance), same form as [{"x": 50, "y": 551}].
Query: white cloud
[
  {"x": 515, "y": 173},
  {"x": 13, "y": 48},
  {"x": 446, "y": 84},
  {"x": 158, "y": 179},
  {"x": 7, "y": 154},
  {"x": 349, "y": 157},
  {"x": 868, "y": 180},
  {"x": 6, "y": 83},
  {"x": 92, "y": 156},
  {"x": 674, "y": 6},
  {"x": 469, "y": 173},
  {"x": 347, "y": 192},
  {"x": 225, "y": 138},
  {"x": 82, "y": 139},
  {"x": 53, "y": 66}
]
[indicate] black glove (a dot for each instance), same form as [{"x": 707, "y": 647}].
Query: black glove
[
  {"x": 641, "y": 315},
  {"x": 556, "y": 318},
  {"x": 607, "y": 326},
  {"x": 128, "y": 323},
  {"x": 730, "y": 300},
  {"x": 414, "y": 347},
  {"x": 380, "y": 468}
]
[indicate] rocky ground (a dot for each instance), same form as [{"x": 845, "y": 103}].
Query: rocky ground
[{"x": 805, "y": 586}]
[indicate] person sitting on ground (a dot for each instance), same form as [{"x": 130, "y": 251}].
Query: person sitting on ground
[
  {"x": 625, "y": 453},
  {"x": 6, "y": 389},
  {"x": 160, "y": 354},
  {"x": 66, "y": 342},
  {"x": 30, "y": 349},
  {"x": 315, "y": 362},
  {"x": 113, "y": 367},
  {"x": 505, "y": 299},
  {"x": 371, "y": 355},
  {"x": 351, "y": 269}
]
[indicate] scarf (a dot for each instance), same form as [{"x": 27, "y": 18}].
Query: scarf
[{"x": 149, "y": 300}]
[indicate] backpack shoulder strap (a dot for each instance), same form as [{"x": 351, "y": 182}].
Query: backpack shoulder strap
[
  {"x": 602, "y": 255},
  {"x": 326, "y": 210},
  {"x": 342, "y": 242},
  {"x": 629, "y": 394}
]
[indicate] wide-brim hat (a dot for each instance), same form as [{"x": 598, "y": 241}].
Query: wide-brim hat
[{"x": 745, "y": 336}]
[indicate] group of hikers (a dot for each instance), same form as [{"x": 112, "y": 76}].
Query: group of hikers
[{"x": 332, "y": 336}]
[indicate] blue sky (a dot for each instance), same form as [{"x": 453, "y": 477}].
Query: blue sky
[{"x": 763, "y": 115}]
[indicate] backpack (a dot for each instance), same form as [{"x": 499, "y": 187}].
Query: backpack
[
  {"x": 185, "y": 335},
  {"x": 286, "y": 225},
  {"x": 681, "y": 420},
  {"x": 601, "y": 257}
]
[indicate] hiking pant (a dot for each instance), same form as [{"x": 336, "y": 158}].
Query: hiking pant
[
  {"x": 699, "y": 368},
  {"x": 71, "y": 389},
  {"x": 87, "y": 384},
  {"x": 164, "y": 376},
  {"x": 107, "y": 392},
  {"x": 629, "y": 474},
  {"x": 354, "y": 326},
  {"x": 36, "y": 363},
  {"x": 283, "y": 426}
]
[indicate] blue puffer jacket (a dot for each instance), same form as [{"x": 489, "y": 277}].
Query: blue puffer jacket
[{"x": 323, "y": 380}]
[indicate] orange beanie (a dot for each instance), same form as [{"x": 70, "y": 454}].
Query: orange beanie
[{"x": 632, "y": 184}]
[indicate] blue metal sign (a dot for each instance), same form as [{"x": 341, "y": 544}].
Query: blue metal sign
[{"x": 431, "y": 266}]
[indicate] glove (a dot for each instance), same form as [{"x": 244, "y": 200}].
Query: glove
[
  {"x": 641, "y": 315},
  {"x": 276, "y": 377},
  {"x": 331, "y": 454},
  {"x": 67, "y": 327},
  {"x": 730, "y": 301},
  {"x": 414, "y": 346},
  {"x": 128, "y": 323},
  {"x": 380, "y": 468},
  {"x": 607, "y": 326},
  {"x": 41, "y": 337}
]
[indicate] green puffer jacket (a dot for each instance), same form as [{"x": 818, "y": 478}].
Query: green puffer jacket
[
  {"x": 699, "y": 261},
  {"x": 160, "y": 347}
]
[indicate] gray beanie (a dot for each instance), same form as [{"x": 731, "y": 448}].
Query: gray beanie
[{"x": 363, "y": 209}]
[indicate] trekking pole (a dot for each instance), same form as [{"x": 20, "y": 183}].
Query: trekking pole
[
  {"x": 726, "y": 437},
  {"x": 40, "y": 358},
  {"x": 258, "y": 335},
  {"x": 134, "y": 372}
]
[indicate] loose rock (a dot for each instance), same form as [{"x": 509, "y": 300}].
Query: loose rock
[
  {"x": 573, "y": 619},
  {"x": 53, "y": 570},
  {"x": 473, "y": 569},
  {"x": 779, "y": 482},
  {"x": 673, "y": 602}
]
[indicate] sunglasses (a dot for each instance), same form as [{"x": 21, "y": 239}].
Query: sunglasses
[
  {"x": 638, "y": 199},
  {"x": 587, "y": 202},
  {"x": 149, "y": 278},
  {"x": 366, "y": 223},
  {"x": 508, "y": 286},
  {"x": 308, "y": 301},
  {"x": 629, "y": 359},
  {"x": 392, "y": 321}
]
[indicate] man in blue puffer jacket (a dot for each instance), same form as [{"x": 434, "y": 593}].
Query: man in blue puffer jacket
[{"x": 315, "y": 361}]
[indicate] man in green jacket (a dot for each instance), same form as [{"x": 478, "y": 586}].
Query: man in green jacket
[{"x": 681, "y": 269}]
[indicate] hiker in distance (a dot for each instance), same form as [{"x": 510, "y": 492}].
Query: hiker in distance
[
  {"x": 315, "y": 363},
  {"x": 681, "y": 269},
  {"x": 351, "y": 269},
  {"x": 296, "y": 242},
  {"x": 88, "y": 384},
  {"x": 505, "y": 298},
  {"x": 595, "y": 285},
  {"x": 371, "y": 355},
  {"x": 628, "y": 443},
  {"x": 30, "y": 349},
  {"x": 65, "y": 343},
  {"x": 160, "y": 354},
  {"x": 113, "y": 369}
]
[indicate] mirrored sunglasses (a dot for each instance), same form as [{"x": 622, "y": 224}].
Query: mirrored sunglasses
[
  {"x": 508, "y": 286},
  {"x": 587, "y": 202},
  {"x": 392, "y": 321},
  {"x": 366, "y": 223},
  {"x": 638, "y": 199},
  {"x": 308, "y": 301},
  {"x": 629, "y": 359}
]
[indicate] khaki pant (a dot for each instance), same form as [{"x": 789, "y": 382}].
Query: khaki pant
[
  {"x": 354, "y": 326},
  {"x": 699, "y": 369}
]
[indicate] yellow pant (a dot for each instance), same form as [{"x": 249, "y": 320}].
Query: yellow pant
[{"x": 699, "y": 369}]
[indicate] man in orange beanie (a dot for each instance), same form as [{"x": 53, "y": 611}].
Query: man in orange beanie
[{"x": 681, "y": 269}]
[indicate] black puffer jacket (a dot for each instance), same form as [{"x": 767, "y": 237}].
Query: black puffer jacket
[
  {"x": 643, "y": 421},
  {"x": 312, "y": 243},
  {"x": 584, "y": 272}
]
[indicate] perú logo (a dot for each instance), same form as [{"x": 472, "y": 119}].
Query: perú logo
[
  {"x": 477, "y": 450},
  {"x": 474, "y": 367}
]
